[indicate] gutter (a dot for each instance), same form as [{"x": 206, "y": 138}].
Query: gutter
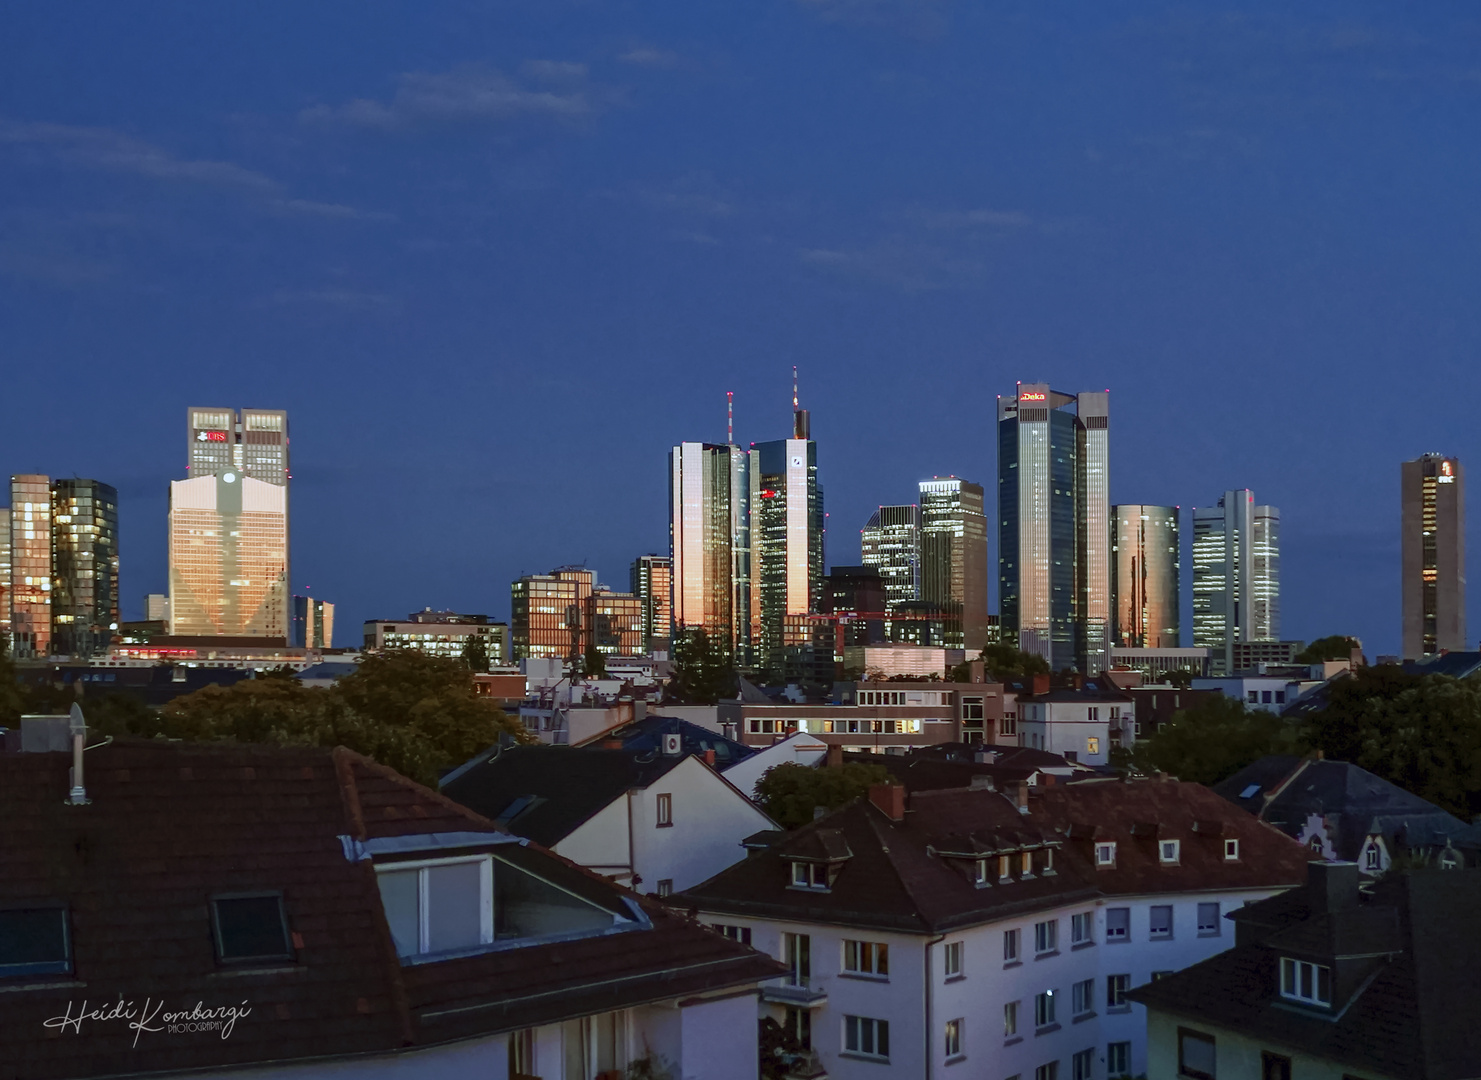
[{"x": 930, "y": 991}]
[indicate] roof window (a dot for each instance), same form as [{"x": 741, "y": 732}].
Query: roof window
[
  {"x": 250, "y": 928},
  {"x": 34, "y": 941},
  {"x": 1168, "y": 851},
  {"x": 1305, "y": 982},
  {"x": 810, "y": 875},
  {"x": 1105, "y": 854},
  {"x": 439, "y": 906}
]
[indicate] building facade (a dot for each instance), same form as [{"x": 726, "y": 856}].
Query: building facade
[
  {"x": 1236, "y": 576},
  {"x": 1145, "y": 594},
  {"x": 252, "y": 442},
  {"x": 787, "y": 549},
  {"x": 229, "y": 557},
  {"x": 30, "y": 566},
  {"x": 710, "y": 542},
  {"x": 891, "y": 542},
  {"x": 545, "y": 613},
  {"x": 1054, "y": 530},
  {"x": 313, "y": 623},
  {"x": 651, "y": 580},
  {"x": 953, "y": 536},
  {"x": 1433, "y": 555}
]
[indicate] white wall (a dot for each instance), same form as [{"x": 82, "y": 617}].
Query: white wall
[
  {"x": 802, "y": 748},
  {"x": 1237, "y": 1057}
]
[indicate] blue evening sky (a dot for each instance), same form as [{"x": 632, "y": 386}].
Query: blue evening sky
[{"x": 496, "y": 257}]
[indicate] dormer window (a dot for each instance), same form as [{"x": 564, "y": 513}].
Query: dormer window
[
  {"x": 1168, "y": 851},
  {"x": 34, "y": 941},
  {"x": 1105, "y": 854},
  {"x": 981, "y": 870},
  {"x": 1305, "y": 982},
  {"x": 1026, "y": 865},
  {"x": 439, "y": 905},
  {"x": 1231, "y": 850},
  {"x": 807, "y": 875},
  {"x": 1005, "y": 868}
]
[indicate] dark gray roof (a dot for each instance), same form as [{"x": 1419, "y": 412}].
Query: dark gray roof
[
  {"x": 1458, "y": 665},
  {"x": 645, "y": 736}
]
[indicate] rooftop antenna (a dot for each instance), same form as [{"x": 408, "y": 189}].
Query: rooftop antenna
[
  {"x": 730, "y": 418},
  {"x": 800, "y": 423},
  {"x": 794, "y": 387}
]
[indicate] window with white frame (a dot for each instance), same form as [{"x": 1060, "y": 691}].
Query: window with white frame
[
  {"x": 1118, "y": 924},
  {"x": 1010, "y": 1019},
  {"x": 1092, "y": 745},
  {"x": 665, "y": 887},
  {"x": 871, "y": 958},
  {"x": 438, "y": 905},
  {"x": 665, "y": 809},
  {"x": 1093, "y": 714},
  {"x": 866, "y": 1037},
  {"x": 1082, "y": 928},
  {"x": 1105, "y": 854},
  {"x": 1010, "y": 946},
  {"x": 954, "y": 1038},
  {"x": 1005, "y": 868},
  {"x": 1082, "y": 997},
  {"x": 952, "y": 959},
  {"x": 1008, "y": 725},
  {"x": 1116, "y": 987},
  {"x": 1082, "y": 1064},
  {"x": 1046, "y": 936},
  {"x": 1208, "y": 919},
  {"x": 734, "y": 933},
  {"x": 1161, "y": 920},
  {"x": 809, "y": 875},
  {"x": 1026, "y": 864},
  {"x": 1118, "y": 1059},
  {"x": 1048, "y": 1071},
  {"x": 1196, "y": 1055},
  {"x": 1231, "y": 850},
  {"x": 1303, "y": 981},
  {"x": 980, "y": 872},
  {"x": 1372, "y": 855},
  {"x": 1044, "y": 1009},
  {"x": 1169, "y": 850}
]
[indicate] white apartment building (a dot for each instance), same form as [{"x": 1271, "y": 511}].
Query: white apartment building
[
  {"x": 957, "y": 934},
  {"x": 1081, "y": 725}
]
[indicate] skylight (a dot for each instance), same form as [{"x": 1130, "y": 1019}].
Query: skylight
[{"x": 1250, "y": 792}]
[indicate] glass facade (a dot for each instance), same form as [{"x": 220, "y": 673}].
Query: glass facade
[
  {"x": 1433, "y": 556},
  {"x": 545, "y": 613},
  {"x": 313, "y": 624},
  {"x": 787, "y": 532},
  {"x": 651, "y": 580},
  {"x": 84, "y": 594},
  {"x": 891, "y": 542},
  {"x": 30, "y": 566},
  {"x": 229, "y": 557},
  {"x": 5, "y": 576},
  {"x": 1054, "y": 525},
  {"x": 443, "y": 634},
  {"x": 709, "y": 538},
  {"x": 1236, "y": 576},
  {"x": 954, "y": 558},
  {"x": 253, "y": 442},
  {"x": 1144, "y": 577}
]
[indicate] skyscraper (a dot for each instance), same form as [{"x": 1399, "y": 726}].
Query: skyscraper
[
  {"x": 5, "y": 578},
  {"x": 1054, "y": 533},
  {"x": 710, "y": 542},
  {"x": 1236, "y": 576},
  {"x": 30, "y": 566},
  {"x": 229, "y": 526},
  {"x": 651, "y": 580},
  {"x": 953, "y": 574},
  {"x": 787, "y": 526},
  {"x": 545, "y": 613},
  {"x": 1144, "y": 577},
  {"x": 891, "y": 541},
  {"x": 1433, "y": 555},
  {"x": 84, "y": 595}
]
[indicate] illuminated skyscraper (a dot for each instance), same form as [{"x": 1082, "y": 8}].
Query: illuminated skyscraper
[
  {"x": 1144, "y": 577},
  {"x": 953, "y": 561},
  {"x": 545, "y": 613},
  {"x": 229, "y": 557},
  {"x": 251, "y": 443},
  {"x": 1433, "y": 555},
  {"x": 890, "y": 541},
  {"x": 651, "y": 580},
  {"x": 5, "y": 577},
  {"x": 30, "y": 566},
  {"x": 710, "y": 542},
  {"x": 787, "y": 526},
  {"x": 84, "y": 595},
  {"x": 1236, "y": 576},
  {"x": 1054, "y": 531}
]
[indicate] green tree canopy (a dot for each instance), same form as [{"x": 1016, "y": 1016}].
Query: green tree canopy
[
  {"x": 1212, "y": 740},
  {"x": 475, "y": 653},
  {"x": 1333, "y": 647},
  {"x": 703, "y": 671},
  {"x": 1005, "y": 662},
  {"x": 594, "y": 664},
  {"x": 789, "y": 792}
]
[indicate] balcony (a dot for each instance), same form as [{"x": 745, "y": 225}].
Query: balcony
[{"x": 794, "y": 994}]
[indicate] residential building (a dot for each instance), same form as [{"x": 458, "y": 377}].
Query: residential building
[
  {"x": 313, "y": 623},
  {"x": 152, "y": 925},
  {"x": 993, "y": 934},
  {"x": 655, "y": 822},
  {"x": 1157, "y": 704},
  {"x": 1236, "y": 576},
  {"x": 1156, "y": 663},
  {"x": 1251, "y": 655},
  {"x": 1054, "y": 528},
  {"x": 799, "y": 748},
  {"x": 1145, "y": 596},
  {"x": 651, "y": 580},
  {"x": 1344, "y": 813},
  {"x": 972, "y": 766},
  {"x": 1271, "y": 693},
  {"x": 953, "y": 565},
  {"x": 787, "y": 552},
  {"x": 545, "y": 613},
  {"x": 1080, "y": 723},
  {"x": 440, "y": 633},
  {"x": 228, "y": 539},
  {"x": 710, "y": 531},
  {"x": 1331, "y": 980},
  {"x": 30, "y": 566},
  {"x": 891, "y": 541},
  {"x": 1433, "y": 555}
]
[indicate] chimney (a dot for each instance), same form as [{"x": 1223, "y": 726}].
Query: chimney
[
  {"x": 1038, "y": 684},
  {"x": 78, "y": 727},
  {"x": 710, "y": 758},
  {"x": 1019, "y": 789},
  {"x": 1331, "y": 886},
  {"x": 889, "y": 798},
  {"x": 640, "y": 709},
  {"x": 611, "y": 744},
  {"x": 835, "y": 756}
]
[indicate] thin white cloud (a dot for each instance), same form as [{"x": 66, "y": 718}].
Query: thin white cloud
[
  {"x": 100, "y": 148},
  {"x": 646, "y": 56},
  {"x": 330, "y": 210}
]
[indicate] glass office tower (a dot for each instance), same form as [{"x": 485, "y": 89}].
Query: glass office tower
[
  {"x": 710, "y": 543},
  {"x": 252, "y": 443},
  {"x": 651, "y": 580},
  {"x": 1144, "y": 577},
  {"x": 229, "y": 557},
  {"x": 84, "y": 595},
  {"x": 30, "y": 566},
  {"x": 787, "y": 527},
  {"x": 1433, "y": 555},
  {"x": 890, "y": 542},
  {"x": 954, "y": 558},
  {"x": 1236, "y": 576},
  {"x": 1054, "y": 530}
]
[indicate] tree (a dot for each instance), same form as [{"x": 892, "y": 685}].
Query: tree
[
  {"x": 1333, "y": 647},
  {"x": 703, "y": 672},
  {"x": 1004, "y": 662},
  {"x": 789, "y": 792},
  {"x": 1182, "y": 678},
  {"x": 1422, "y": 733},
  {"x": 11, "y": 703},
  {"x": 594, "y": 664},
  {"x": 475, "y": 653},
  {"x": 1212, "y": 740}
]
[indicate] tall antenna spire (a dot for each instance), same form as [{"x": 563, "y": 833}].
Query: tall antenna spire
[
  {"x": 799, "y": 414},
  {"x": 730, "y": 418},
  {"x": 794, "y": 387}
]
